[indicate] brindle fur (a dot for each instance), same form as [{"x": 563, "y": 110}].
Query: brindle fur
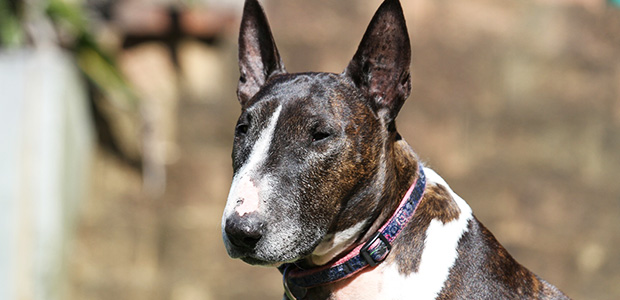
[{"x": 363, "y": 170}]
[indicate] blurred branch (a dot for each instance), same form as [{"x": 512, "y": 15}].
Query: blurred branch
[
  {"x": 75, "y": 33},
  {"x": 11, "y": 33},
  {"x": 98, "y": 66}
]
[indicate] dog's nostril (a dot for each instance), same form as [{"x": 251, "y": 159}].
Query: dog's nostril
[
  {"x": 249, "y": 242},
  {"x": 243, "y": 233},
  {"x": 243, "y": 239}
]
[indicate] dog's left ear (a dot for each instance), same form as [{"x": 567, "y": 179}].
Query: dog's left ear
[
  {"x": 380, "y": 67},
  {"x": 258, "y": 55}
]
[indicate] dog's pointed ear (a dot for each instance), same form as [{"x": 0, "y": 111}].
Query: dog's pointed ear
[
  {"x": 380, "y": 67},
  {"x": 258, "y": 56}
]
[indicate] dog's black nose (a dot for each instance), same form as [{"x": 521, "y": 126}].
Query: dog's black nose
[{"x": 244, "y": 232}]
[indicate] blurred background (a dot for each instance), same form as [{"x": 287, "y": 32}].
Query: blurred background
[{"x": 117, "y": 120}]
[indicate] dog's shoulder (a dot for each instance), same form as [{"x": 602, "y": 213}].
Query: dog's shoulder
[
  {"x": 427, "y": 249},
  {"x": 447, "y": 253}
]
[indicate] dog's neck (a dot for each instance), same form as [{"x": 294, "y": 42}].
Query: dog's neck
[{"x": 400, "y": 171}]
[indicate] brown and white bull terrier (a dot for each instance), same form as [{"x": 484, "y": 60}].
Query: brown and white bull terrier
[{"x": 326, "y": 189}]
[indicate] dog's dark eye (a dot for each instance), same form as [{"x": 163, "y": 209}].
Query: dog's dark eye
[
  {"x": 242, "y": 129},
  {"x": 318, "y": 136}
]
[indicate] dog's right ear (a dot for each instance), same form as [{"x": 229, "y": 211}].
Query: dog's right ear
[{"x": 258, "y": 55}]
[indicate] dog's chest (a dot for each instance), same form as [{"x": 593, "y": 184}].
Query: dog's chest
[
  {"x": 367, "y": 285},
  {"x": 386, "y": 283},
  {"x": 382, "y": 282}
]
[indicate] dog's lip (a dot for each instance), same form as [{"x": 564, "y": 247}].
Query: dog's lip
[
  {"x": 249, "y": 257},
  {"x": 259, "y": 262},
  {"x": 252, "y": 259}
]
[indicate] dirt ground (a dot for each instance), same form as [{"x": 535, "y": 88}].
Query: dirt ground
[{"x": 515, "y": 104}]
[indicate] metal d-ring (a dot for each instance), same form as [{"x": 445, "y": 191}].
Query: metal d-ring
[{"x": 287, "y": 290}]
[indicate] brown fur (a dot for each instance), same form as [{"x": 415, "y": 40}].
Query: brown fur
[{"x": 485, "y": 268}]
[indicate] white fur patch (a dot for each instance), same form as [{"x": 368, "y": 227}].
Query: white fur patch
[
  {"x": 335, "y": 243},
  {"x": 438, "y": 256},
  {"x": 244, "y": 192}
]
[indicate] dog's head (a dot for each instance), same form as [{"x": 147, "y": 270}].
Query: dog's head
[{"x": 309, "y": 154}]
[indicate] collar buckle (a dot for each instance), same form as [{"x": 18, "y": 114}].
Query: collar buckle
[{"x": 381, "y": 247}]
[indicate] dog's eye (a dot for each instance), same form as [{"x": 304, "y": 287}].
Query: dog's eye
[
  {"x": 241, "y": 129},
  {"x": 318, "y": 136}
]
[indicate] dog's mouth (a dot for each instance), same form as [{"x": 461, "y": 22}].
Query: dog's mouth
[
  {"x": 253, "y": 259},
  {"x": 259, "y": 262},
  {"x": 248, "y": 256},
  {"x": 261, "y": 255}
]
